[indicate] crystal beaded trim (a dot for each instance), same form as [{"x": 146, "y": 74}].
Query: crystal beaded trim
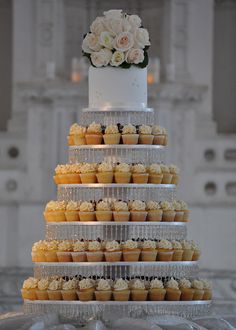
[
  {"x": 116, "y": 230},
  {"x": 84, "y": 311},
  {"x": 117, "y": 153},
  {"x": 117, "y": 269},
  {"x": 130, "y": 191}
]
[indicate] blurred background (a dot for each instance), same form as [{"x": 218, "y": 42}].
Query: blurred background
[{"x": 192, "y": 86}]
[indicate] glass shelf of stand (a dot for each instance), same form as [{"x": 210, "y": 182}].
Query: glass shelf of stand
[
  {"x": 117, "y": 153},
  {"x": 117, "y": 269},
  {"x": 112, "y": 230},
  {"x": 96, "y": 191},
  {"x": 110, "y": 310}
]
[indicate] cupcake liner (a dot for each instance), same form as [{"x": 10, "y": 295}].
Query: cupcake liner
[
  {"x": 139, "y": 295},
  {"x": 173, "y": 294},
  {"x": 38, "y": 256},
  {"x": 87, "y": 216},
  {"x": 63, "y": 178},
  {"x": 54, "y": 294},
  {"x": 64, "y": 257},
  {"x": 179, "y": 216},
  {"x": 73, "y": 178},
  {"x": 187, "y": 294},
  {"x": 56, "y": 179},
  {"x": 104, "y": 177},
  {"x": 86, "y": 294},
  {"x": 55, "y": 216},
  {"x": 175, "y": 179},
  {"x": 138, "y": 216},
  {"x": 70, "y": 140},
  {"x": 157, "y": 294},
  {"x": 72, "y": 216},
  {"x": 145, "y": 138},
  {"x": 79, "y": 140},
  {"x": 122, "y": 177},
  {"x": 165, "y": 140},
  {"x": 207, "y": 294},
  {"x": 148, "y": 255},
  {"x": 103, "y": 215},
  {"x": 130, "y": 138},
  {"x": 94, "y": 256},
  {"x": 168, "y": 216},
  {"x": 51, "y": 256},
  {"x": 159, "y": 139},
  {"x": 131, "y": 255},
  {"x": 165, "y": 255},
  {"x": 78, "y": 256},
  {"x": 186, "y": 215},
  {"x": 111, "y": 138},
  {"x": 187, "y": 255},
  {"x": 198, "y": 294},
  {"x": 167, "y": 177},
  {"x": 42, "y": 295},
  {"x": 178, "y": 255},
  {"x": 103, "y": 295},
  {"x": 140, "y": 178},
  {"x": 69, "y": 295},
  {"x": 155, "y": 215},
  {"x": 196, "y": 255},
  {"x": 121, "y": 216},
  {"x": 113, "y": 256},
  {"x": 88, "y": 177},
  {"x": 121, "y": 295},
  {"x": 29, "y": 294},
  {"x": 155, "y": 178},
  {"x": 93, "y": 138}
]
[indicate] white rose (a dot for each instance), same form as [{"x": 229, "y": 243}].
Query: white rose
[
  {"x": 91, "y": 43},
  {"x": 135, "y": 55},
  {"x": 97, "y": 27},
  {"x": 106, "y": 39},
  {"x": 114, "y": 26},
  {"x": 135, "y": 21},
  {"x": 101, "y": 58},
  {"x": 113, "y": 13},
  {"x": 141, "y": 38},
  {"x": 117, "y": 58},
  {"x": 124, "y": 41}
]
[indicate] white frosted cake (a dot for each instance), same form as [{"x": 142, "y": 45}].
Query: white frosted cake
[{"x": 115, "y": 87}]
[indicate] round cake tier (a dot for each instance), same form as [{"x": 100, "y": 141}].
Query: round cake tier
[
  {"x": 116, "y": 230},
  {"x": 117, "y": 269},
  {"x": 96, "y": 191},
  {"x": 110, "y": 310},
  {"x": 117, "y": 153}
]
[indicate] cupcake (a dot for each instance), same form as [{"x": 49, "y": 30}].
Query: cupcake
[
  {"x": 167, "y": 176},
  {"x": 69, "y": 289},
  {"x": 188, "y": 251},
  {"x": 112, "y": 135},
  {"x": 60, "y": 176},
  {"x": 197, "y": 285},
  {"x": 105, "y": 173},
  {"x": 77, "y": 134},
  {"x": 73, "y": 173},
  {"x": 196, "y": 251},
  {"x": 186, "y": 289},
  {"x": 51, "y": 253},
  {"x": 121, "y": 211},
  {"x": 145, "y": 134},
  {"x": 173, "y": 292},
  {"x": 148, "y": 250},
  {"x": 86, "y": 211},
  {"x": 179, "y": 214},
  {"x": 174, "y": 170},
  {"x": 122, "y": 173},
  {"x": 55, "y": 211},
  {"x": 78, "y": 254},
  {"x": 103, "y": 290},
  {"x": 164, "y": 132},
  {"x": 88, "y": 173},
  {"x": 155, "y": 174},
  {"x": 72, "y": 211},
  {"x": 94, "y": 253},
  {"x": 29, "y": 288},
  {"x": 64, "y": 251},
  {"x": 156, "y": 290},
  {"x": 154, "y": 211},
  {"x": 103, "y": 211},
  {"x": 94, "y": 134},
  {"x": 121, "y": 290},
  {"x": 54, "y": 289},
  {"x": 138, "y": 210},
  {"x": 131, "y": 251},
  {"x": 159, "y": 137},
  {"x": 184, "y": 208},
  {"x": 165, "y": 250},
  {"x": 138, "y": 291},
  {"x": 70, "y": 136},
  {"x": 38, "y": 251},
  {"x": 207, "y": 287},
  {"x": 86, "y": 290},
  {"x": 168, "y": 211},
  {"x": 129, "y": 134},
  {"x": 139, "y": 173},
  {"x": 41, "y": 292},
  {"x": 113, "y": 251},
  {"x": 178, "y": 251}
]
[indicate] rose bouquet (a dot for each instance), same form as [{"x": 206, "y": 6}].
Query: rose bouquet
[{"x": 118, "y": 40}]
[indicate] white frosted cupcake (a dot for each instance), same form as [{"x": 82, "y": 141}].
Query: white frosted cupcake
[
  {"x": 78, "y": 254},
  {"x": 174, "y": 170},
  {"x": 131, "y": 251},
  {"x": 138, "y": 291},
  {"x": 159, "y": 137},
  {"x": 165, "y": 250},
  {"x": 121, "y": 211},
  {"x": 69, "y": 289},
  {"x": 65, "y": 248},
  {"x": 94, "y": 134},
  {"x": 155, "y": 174},
  {"x": 105, "y": 173},
  {"x": 95, "y": 252},
  {"x": 88, "y": 173},
  {"x": 113, "y": 251},
  {"x": 156, "y": 290},
  {"x": 76, "y": 135},
  {"x": 55, "y": 211},
  {"x": 54, "y": 289},
  {"x": 86, "y": 211},
  {"x": 168, "y": 211},
  {"x": 154, "y": 211},
  {"x": 145, "y": 134},
  {"x": 103, "y": 211},
  {"x": 186, "y": 290},
  {"x": 184, "y": 208},
  {"x": 122, "y": 173},
  {"x": 178, "y": 251},
  {"x": 149, "y": 250},
  {"x": 51, "y": 252},
  {"x": 207, "y": 287},
  {"x": 41, "y": 291},
  {"x": 198, "y": 287},
  {"x": 72, "y": 211},
  {"x": 139, "y": 173},
  {"x": 173, "y": 292},
  {"x": 121, "y": 290},
  {"x": 112, "y": 135},
  {"x": 188, "y": 250},
  {"x": 38, "y": 251},
  {"x": 103, "y": 290},
  {"x": 196, "y": 251},
  {"x": 138, "y": 211},
  {"x": 179, "y": 213},
  {"x": 167, "y": 176},
  {"x": 129, "y": 134},
  {"x": 86, "y": 289},
  {"x": 29, "y": 289}
]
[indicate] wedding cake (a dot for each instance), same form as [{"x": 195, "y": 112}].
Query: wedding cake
[{"x": 116, "y": 241}]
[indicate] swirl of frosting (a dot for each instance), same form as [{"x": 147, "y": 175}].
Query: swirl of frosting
[
  {"x": 86, "y": 283},
  {"x": 43, "y": 284},
  {"x": 94, "y": 246},
  {"x": 138, "y": 285},
  {"x": 79, "y": 246},
  {"x": 121, "y": 284},
  {"x": 164, "y": 244},
  {"x": 88, "y": 168},
  {"x": 72, "y": 206},
  {"x": 78, "y": 130},
  {"x": 194, "y": 246},
  {"x": 103, "y": 285},
  {"x": 165, "y": 168},
  {"x": 197, "y": 284},
  {"x": 86, "y": 207},
  {"x": 122, "y": 167},
  {"x": 186, "y": 245},
  {"x": 52, "y": 245},
  {"x": 138, "y": 168},
  {"x": 156, "y": 130},
  {"x": 172, "y": 284},
  {"x": 145, "y": 129},
  {"x": 105, "y": 167},
  {"x": 129, "y": 129},
  {"x": 58, "y": 169},
  {"x": 149, "y": 244},
  {"x": 112, "y": 246},
  {"x": 173, "y": 169},
  {"x": 120, "y": 206},
  {"x": 138, "y": 205},
  {"x": 153, "y": 205},
  {"x": 30, "y": 283},
  {"x": 167, "y": 206},
  {"x": 74, "y": 168},
  {"x": 55, "y": 206},
  {"x": 130, "y": 245},
  {"x": 65, "y": 245},
  {"x": 184, "y": 205},
  {"x": 103, "y": 206},
  {"x": 206, "y": 285},
  {"x": 176, "y": 245},
  {"x": 39, "y": 246},
  {"x": 176, "y": 205},
  {"x": 55, "y": 284},
  {"x": 155, "y": 169},
  {"x": 70, "y": 284},
  {"x": 111, "y": 129},
  {"x": 156, "y": 284},
  {"x": 184, "y": 283},
  {"x": 94, "y": 128}
]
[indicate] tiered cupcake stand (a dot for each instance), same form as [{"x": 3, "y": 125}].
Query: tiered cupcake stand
[{"x": 117, "y": 230}]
